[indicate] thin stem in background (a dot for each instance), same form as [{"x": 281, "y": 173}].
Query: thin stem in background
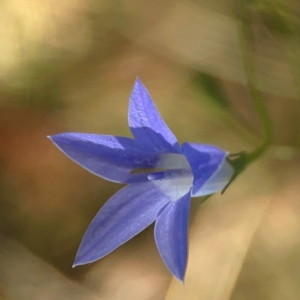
[
  {"x": 242, "y": 160},
  {"x": 247, "y": 46},
  {"x": 294, "y": 61}
]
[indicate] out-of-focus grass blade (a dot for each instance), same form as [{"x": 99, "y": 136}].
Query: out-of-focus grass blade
[
  {"x": 212, "y": 88},
  {"x": 27, "y": 277}
]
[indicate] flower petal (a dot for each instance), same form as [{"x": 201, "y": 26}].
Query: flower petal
[
  {"x": 205, "y": 161},
  {"x": 123, "y": 216},
  {"x": 110, "y": 157},
  {"x": 146, "y": 124},
  {"x": 171, "y": 231},
  {"x": 217, "y": 181}
]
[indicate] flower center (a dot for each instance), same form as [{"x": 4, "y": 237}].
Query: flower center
[
  {"x": 172, "y": 161},
  {"x": 169, "y": 174}
]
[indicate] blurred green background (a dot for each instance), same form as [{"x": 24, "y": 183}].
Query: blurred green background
[{"x": 70, "y": 66}]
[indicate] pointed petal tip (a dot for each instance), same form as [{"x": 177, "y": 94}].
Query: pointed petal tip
[
  {"x": 79, "y": 262},
  {"x": 179, "y": 276},
  {"x": 138, "y": 83},
  {"x": 52, "y": 137},
  {"x": 180, "y": 279}
]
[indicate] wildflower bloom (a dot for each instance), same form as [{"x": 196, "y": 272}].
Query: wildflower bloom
[{"x": 162, "y": 176}]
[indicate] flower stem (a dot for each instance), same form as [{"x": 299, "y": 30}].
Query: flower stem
[
  {"x": 241, "y": 161},
  {"x": 247, "y": 46}
]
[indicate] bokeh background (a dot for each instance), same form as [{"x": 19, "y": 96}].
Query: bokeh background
[{"x": 70, "y": 66}]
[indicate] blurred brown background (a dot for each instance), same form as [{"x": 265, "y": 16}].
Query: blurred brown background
[{"x": 70, "y": 66}]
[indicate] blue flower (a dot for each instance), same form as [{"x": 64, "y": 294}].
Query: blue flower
[{"x": 162, "y": 176}]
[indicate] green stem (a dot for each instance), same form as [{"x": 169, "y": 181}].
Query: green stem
[
  {"x": 247, "y": 45},
  {"x": 293, "y": 53},
  {"x": 243, "y": 160}
]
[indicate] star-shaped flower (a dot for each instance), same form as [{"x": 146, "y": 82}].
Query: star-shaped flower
[{"x": 162, "y": 176}]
